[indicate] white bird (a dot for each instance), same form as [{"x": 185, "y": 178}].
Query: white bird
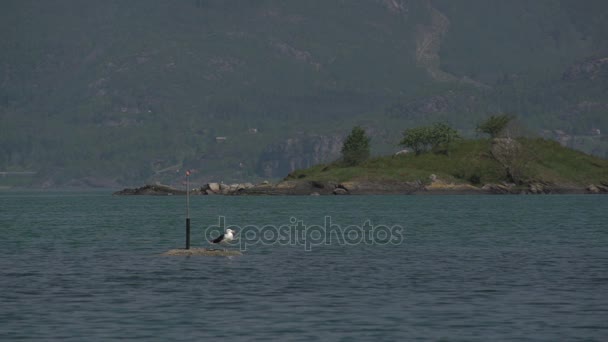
[{"x": 225, "y": 238}]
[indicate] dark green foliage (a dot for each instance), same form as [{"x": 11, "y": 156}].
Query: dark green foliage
[
  {"x": 442, "y": 138},
  {"x": 495, "y": 125},
  {"x": 356, "y": 148},
  {"x": 416, "y": 138},
  {"x": 437, "y": 138}
]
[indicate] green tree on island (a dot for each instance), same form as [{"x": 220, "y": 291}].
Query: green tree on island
[
  {"x": 495, "y": 125},
  {"x": 437, "y": 138},
  {"x": 356, "y": 148}
]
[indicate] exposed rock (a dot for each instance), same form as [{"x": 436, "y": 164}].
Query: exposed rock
[
  {"x": 428, "y": 44},
  {"x": 317, "y": 188},
  {"x": 402, "y": 152},
  {"x": 297, "y": 54},
  {"x": 536, "y": 188},
  {"x": 299, "y": 152},
  {"x": 496, "y": 188},
  {"x": 380, "y": 187},
  {"x": 438, "y": 185},
  {"x": 396, "y": 6},
  {"x": 286, "y": 185},
  {"x": 597, "y": 189},
  {"x": 224, "y": 188},
  {"x": 590, "y": 69},
  {"x": 289, "y": 187},
  {"x": 340, "y": 191},
  {"x": 215, "y": 187}
]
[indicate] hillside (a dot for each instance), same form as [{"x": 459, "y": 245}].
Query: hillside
[
  {"x": 502, "y": 164},
  {"x": 112, "y": 93}
]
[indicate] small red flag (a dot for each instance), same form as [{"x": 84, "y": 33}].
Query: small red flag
[{"x": 188, "y": 173}]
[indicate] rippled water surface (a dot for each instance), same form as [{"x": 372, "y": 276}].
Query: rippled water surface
[{"x": 87, "y": 266}]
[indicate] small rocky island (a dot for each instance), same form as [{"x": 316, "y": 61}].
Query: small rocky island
[{"x": 483, "y": 166}]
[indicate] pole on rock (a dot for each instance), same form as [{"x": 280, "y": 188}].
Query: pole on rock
[{"x": 188, "y": 209}]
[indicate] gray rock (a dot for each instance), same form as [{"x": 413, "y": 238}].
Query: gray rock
[
  {"x": 602, "y": 188},
  {"x": 340, "y": 191},
  {"x": 496, "y": 188},
  {"x": 536, "y": 188},
  {"x": 215, "y": 187}
]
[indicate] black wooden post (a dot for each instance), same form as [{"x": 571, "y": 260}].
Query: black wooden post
[{"x": 188, "y": 209}]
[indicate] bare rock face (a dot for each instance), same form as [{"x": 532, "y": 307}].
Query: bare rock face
[
  {"x": 590, "y": 69},
  {"x": 396, "y": 6},
  {"x": 299, "y": 152}
]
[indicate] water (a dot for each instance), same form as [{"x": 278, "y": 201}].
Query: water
[{"x": 87, "y": 266}]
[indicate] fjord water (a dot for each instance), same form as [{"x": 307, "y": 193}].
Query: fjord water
[{"x": 87, "y": 266}]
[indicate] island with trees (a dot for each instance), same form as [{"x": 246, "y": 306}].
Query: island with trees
[{"x": 437, "y": 160}]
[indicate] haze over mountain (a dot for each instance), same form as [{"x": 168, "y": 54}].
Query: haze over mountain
[{"x": 109, "y": 93}]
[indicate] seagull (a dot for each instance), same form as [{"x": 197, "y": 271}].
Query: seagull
[{"x": 225, "y": 238}]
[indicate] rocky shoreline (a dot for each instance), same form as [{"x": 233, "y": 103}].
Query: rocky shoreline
[{"x": 315, "y": 188}]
